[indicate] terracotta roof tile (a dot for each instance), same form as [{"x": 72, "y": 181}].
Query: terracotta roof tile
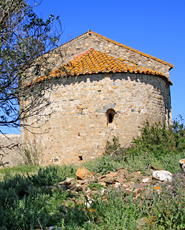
[
  {"x": 122, "y": 45},
  {"x": 93, "y": 61}
]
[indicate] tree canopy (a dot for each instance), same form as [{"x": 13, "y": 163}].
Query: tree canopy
[{"x": 23, "y": 38}]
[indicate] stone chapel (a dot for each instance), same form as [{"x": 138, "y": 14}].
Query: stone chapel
[{"x": 109, "y": 89}]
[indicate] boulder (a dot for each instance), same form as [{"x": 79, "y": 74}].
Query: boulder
[
  {"x": 162, "y": 175},
  {"x": 82, "y": 173},
  {"x": 68, "y": 181}
]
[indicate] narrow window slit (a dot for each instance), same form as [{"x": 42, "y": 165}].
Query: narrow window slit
[{"x": 110, "y": 115}]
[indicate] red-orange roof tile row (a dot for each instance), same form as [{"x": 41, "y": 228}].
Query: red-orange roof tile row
[
  {"x": 122, "y": 45},
  {"x": 94, "y": 62}
]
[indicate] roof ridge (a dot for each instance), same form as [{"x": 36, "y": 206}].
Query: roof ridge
[
  {"x": 117, "y": 43},
  {"x": 105, "y": 63},
  {"x": 129, "y": 48}
]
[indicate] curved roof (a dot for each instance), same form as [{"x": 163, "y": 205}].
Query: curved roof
[{"x": 94, "y": 62}]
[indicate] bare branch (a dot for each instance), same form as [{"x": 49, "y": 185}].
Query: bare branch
[{"x": 24, "y": 38}]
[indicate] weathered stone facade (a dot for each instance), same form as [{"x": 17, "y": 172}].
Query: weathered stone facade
[
  {"x": 90, "y": 39},
  {"x": 89, "y": 109},
  {"x": 10, "y": 151}
]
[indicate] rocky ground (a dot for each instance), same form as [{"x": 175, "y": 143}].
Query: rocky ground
[
  {"x": 139, "y": 184},
  {"x": 130, "y": 182}
]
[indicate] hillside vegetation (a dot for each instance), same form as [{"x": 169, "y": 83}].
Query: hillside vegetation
[{"x": 30, "y": 197}]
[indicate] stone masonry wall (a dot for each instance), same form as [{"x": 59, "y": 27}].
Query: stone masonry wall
[
  {"x": 10, "y": 154},
  {"x": 77, "y": 130},
  {"x": 86, "y": 41}
]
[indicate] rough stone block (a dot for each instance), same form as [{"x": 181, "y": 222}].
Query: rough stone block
[{"x": 82, "y": 173}]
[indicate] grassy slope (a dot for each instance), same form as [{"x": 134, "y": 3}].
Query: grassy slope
[{"x": 30, "y": 202}]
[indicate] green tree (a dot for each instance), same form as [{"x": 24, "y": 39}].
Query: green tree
[{"x": 24, "y": 38}]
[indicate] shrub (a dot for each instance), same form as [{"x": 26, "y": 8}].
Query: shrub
[
  {"x": 114, "y": 150},
  {"x": 179, "y": 133},
  {"x": 31, "y": 153},
  {"x": 45, "y": 177},
  {"x": 52, "y": 174},
  {"x": 102, "y": 165},
  {"x": 160, "y": 139},
  {"x": 26, "y": 205},
  {"x": 19, "y": 184},
  {"x": 157, "y": 139}
]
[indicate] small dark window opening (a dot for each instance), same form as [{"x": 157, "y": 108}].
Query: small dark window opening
[
  {"x": 80, "y": 158},
  {"x": 110, "y": 115}
]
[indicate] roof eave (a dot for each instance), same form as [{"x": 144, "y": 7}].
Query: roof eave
[{"x": 134, "y": 50}]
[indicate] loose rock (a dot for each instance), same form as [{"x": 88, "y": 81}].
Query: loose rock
[
  {"x": 162, "y": 175},
  {"x": 82, "y": 173},
  {"x": 145, "y": 180}
]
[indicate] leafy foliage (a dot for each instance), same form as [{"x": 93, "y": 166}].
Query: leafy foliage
[
  {"x": 24, "y": 37},
  {"x": 102, "y": 165},
  {"x": 25, "y": 204},
  {"x": 160, "y": 139},
  {"x": 51, "y": 174},
  {"x": 156, "y": 139}
]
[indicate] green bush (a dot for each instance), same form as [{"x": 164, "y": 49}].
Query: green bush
[
  {"x": 160, "y": 139},
  {"x": 46, "y": 176},
  {"x": 20, "y": 184},
  {"x": 179, "y": 133},
  {"x": 156, "y": 139},
  {"x": 102, "y": 165},
  {"x": 52, "y": 174}
]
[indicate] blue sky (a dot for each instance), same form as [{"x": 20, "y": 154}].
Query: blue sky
[{"x": 156, "y": 27}]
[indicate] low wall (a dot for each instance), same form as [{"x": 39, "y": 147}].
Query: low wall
[{"x": 10, "y": 150}]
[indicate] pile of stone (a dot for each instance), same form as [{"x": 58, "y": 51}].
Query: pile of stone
[
  {"x": 87, "y": 184},
  {"x": 130, "y": 182}
]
